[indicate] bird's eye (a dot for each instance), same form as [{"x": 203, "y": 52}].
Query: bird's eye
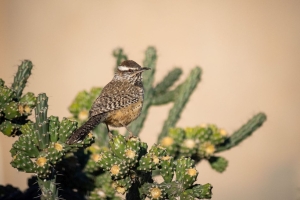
[{"x": 130, "y": 70}]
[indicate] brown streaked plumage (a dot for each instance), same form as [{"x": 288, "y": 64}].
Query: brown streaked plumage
[{"x": 119, "y": 103}]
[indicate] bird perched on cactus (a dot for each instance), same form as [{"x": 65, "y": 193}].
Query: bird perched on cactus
[{"x": 119, "y": 103}]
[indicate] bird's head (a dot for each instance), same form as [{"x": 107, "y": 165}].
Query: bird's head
[{"x": 130, "y": 71}]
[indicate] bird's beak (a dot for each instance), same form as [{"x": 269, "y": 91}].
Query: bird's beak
[
  {"x": 142, "y": 70},
  {"x": 145, "y": 68}
]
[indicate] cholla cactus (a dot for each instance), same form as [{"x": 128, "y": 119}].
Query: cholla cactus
[
  {"x": 115, "y": 164},
  {"x": 198, "y": 143},
  {"x": 130, "y": 166},
  {"x": 15, "y": 108},
  {"x": 203, "y": 142},
  {"x": 104, "y": 188},
  {"x": 42, "y": 145}
]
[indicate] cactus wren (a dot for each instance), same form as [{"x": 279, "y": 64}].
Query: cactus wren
[{"x": 119, "y": 103}]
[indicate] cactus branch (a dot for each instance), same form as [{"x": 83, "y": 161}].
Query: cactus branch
[
  {"x": 41, "y": 120},
  {"x": 167, "y": 81},
  {"x": 164, "y": 98},
  {"x": 244, "y": 132},
  {"x": 184, "y": 94},
  {"x": 167, "y": 97},
  {"x": 20, "y": 80},
  {"x": 48, "y": 189}
]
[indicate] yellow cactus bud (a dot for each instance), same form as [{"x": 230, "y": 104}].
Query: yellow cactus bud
[
  {"x": 155, "y": 193},
  {"x": 114, "y": 185},
  {"x": 41, "y": 161},
  {"x": 167, "y": 141},
  {"x": 58, "y": 147},
  {"x": 21, "y": 109},
  {"x": 209, "y": 148},
  {"x": 223, "y": 132},
  {"x": 120, "y": 190},
  {"x": 191, "y": 172},
  {"x": 166, "y": 158},
  {"x": 155, "y": 159},
  {"x": 27, "y": 109},
  {"x": 115, "y": 169},
  {"x": 96, "y": 157},
  {"x": 130, "y": 154}
]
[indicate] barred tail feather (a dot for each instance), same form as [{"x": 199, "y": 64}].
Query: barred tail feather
[{"x": 80, "y": 133}]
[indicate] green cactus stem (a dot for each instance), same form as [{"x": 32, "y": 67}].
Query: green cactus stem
[
  {"x": 27, "y": 103},
  {"x": 49, "y": 191},
  {"x": 186, "y": 172},
  {"x": 41, "y": 124},
  {"x": 218, "y": 163},
  {"x": 6, "y": 95},
  {"x": 175, "y": 190},
  {"x": 167, "y": 168},
  {"x": 22, "y": 162},
  {"x": 13, "y": 111},
  {"x": 42, "y": 145},
  {"x": 244, "y": 132},
  {"x": 186, "y": 90},
  {"x": 201, "y": 191},
  {"x": 20, "y": 80},
  {"x": 104, "y": 188},
  {"x": 8, "y": 128},
  {"x": 167, "y": 82},
  {"x": 155, "y": 191},
  {"x": 203, "y": 142}
]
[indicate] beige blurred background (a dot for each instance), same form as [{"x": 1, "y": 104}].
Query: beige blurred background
[{"x": 249, "y": 52}]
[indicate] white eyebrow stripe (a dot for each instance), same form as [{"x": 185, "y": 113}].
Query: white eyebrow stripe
[{"x": 125, "y": 68}]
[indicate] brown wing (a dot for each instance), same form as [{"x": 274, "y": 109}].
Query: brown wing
[{"x": 114, "y": 96}]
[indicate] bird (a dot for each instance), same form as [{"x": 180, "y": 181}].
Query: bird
[{"x": 119, "y": 103}]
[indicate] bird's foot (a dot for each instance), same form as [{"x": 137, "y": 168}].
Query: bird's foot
[
  {"x": 130, "y": 135},
  {"x": 110, "y": 135}
]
